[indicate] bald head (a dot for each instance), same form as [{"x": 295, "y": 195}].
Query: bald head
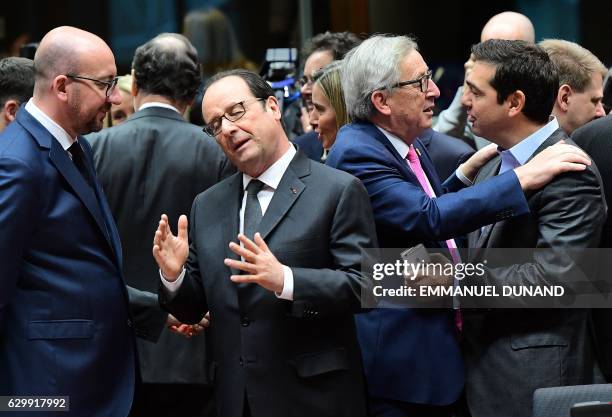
[
  {"x": 66, "y": 50},
  {"x": 509, "y": 26}
]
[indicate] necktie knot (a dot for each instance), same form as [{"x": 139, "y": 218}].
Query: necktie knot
[
  {"x": 412, "y": 154},
  {"x": 76, "y": 151},
  {"x": 254, "y": 187}
]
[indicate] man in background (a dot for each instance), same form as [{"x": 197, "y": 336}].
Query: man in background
[
  {"x": 506, "y": 25},
  {"x": 16, "y": 87},
  {"x": 156, "y": 162},
  {"x": 580, "y": 94}
]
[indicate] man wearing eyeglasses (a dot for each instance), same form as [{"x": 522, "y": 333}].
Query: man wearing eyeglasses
[
  {"x": 411, "y": 357},
  {"x": 156, "y": 162},
  {"x": 274, "y": 253},
  {"x": 65, "y": 328}
]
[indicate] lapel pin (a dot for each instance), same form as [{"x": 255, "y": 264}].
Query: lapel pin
[{"x": 293, "y": 190}]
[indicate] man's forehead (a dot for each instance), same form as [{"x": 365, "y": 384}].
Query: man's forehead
[
  {"x": 480, "y": 70},
  {"x": 413, "y": 64},
  {"x": 225, "y": 92}
]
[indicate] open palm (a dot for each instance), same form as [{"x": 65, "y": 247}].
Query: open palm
[{"x": 170, "y": 251}]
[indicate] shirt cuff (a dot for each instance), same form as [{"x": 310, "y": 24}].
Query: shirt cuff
[
  {"x": 463, "y": 178},
  {"x": 287, "y": 293},
  {"x": 172, "y": 287}
]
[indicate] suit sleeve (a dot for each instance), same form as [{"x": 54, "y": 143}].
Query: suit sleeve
[
  {"x": 189, "y": 304},
  {"x": 402, "y": 206},
  {"x": 340, "y": 289},
  {"x": 570, "y": 212},
  {"x": 148, "y": 316},
  {"x": 19, "y": 204}
]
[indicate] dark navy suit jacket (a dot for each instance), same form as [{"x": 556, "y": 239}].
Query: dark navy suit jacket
[
  {"x": 412, "y": 355},
  {"x": 65, "y": 328},
  {"x": 310, "y": 144},
  {"x": 446, "y": 152}
]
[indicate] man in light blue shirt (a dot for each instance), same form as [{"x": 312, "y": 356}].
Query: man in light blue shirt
[{"x": 509, "y": 354}]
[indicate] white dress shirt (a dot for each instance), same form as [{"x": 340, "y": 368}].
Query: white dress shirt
[
  {"x": 158, "y": 104},
  {"x": 56, "y": 130}
]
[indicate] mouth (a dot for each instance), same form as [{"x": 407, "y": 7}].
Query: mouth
[
  {"x": 239, "y": 144},
  {"x": 429, "y": 110}
]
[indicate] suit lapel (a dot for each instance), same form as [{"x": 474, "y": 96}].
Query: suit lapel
[
  {"x": 428, "y": 167},
  {"x": 405, "y": 170},
  {"x": 480, "y": 237},
  {"x": 112, "y": 233},
  {"x": 289, "y": 190},
  {"x": 59, "y": 158}
]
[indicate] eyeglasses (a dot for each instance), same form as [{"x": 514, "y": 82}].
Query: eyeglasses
[
  {"x": 423, "y": 82},
  {"x": 110, "y": 85},
  {"x": 234, "y": 114}
]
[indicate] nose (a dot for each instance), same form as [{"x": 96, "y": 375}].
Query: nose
[
  {"x": 115, "y": 96},
  {"x": 465, "y": 100},
  {"x": 599, "y": 110},
  {"x": 433, "y": 90},
  {"x": 227, "y": 127}
]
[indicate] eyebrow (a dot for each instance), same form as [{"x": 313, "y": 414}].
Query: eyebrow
[
  {"x": 472, "y": 86},
  {"x": 231, "y": 106}
]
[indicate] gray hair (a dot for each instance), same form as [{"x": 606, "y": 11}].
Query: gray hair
[{"x": 373, "y": 65}]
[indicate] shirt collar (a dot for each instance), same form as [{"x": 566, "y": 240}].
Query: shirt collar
[
  {"x": 158, "y": 104},
  {"x": 523, "y": 150},
  {"x": 400, "y": 146},
  {"x": 272, "y": 176},
  {"x": 48, "y": 123}
]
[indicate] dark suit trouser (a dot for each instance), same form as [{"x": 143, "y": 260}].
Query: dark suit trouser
[{"x": 173, "y": 400}]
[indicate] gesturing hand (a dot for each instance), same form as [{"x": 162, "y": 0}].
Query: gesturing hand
[
  {"x": 170, "y": 252},
  {"x": 261, "y": 265}
]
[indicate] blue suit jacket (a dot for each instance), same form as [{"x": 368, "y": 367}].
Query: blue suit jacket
[
  {"x": 64, "y": 321},
  {"x": 412, "y": 355}
]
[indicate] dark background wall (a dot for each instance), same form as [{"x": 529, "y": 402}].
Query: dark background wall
[{"x": 445, "y": 30}]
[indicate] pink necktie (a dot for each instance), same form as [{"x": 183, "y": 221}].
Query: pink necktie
[{"x": 417, "y": 169}]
